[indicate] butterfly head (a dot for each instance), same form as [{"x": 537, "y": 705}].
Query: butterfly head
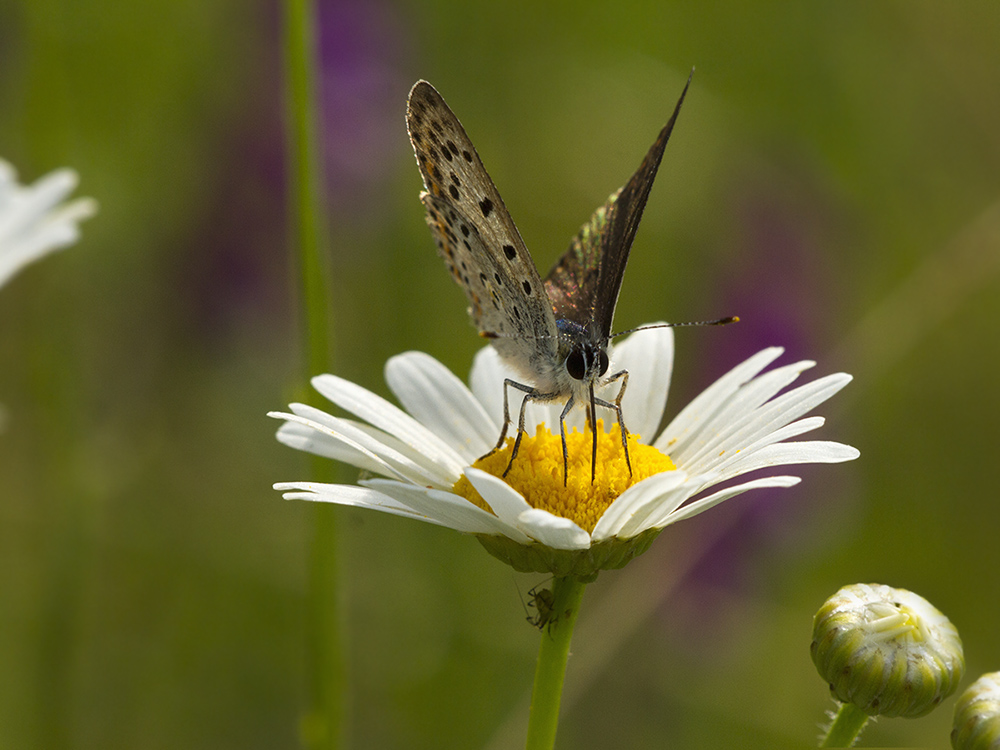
[{"x": 585, "y": 355}]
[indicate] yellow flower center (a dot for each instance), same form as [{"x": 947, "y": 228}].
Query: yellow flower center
[{"x": 537, "y": 472}]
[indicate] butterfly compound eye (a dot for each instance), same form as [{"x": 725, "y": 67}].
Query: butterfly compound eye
[
  {"x": 575, "y": 365},
  {"x": 604, "y": 362}
]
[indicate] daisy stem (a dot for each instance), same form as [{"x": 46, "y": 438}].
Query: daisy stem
[
  {"x": 323, "y": 726},
  {"x": 846, "y": 727},
  {"x": 550, "y": 670}
]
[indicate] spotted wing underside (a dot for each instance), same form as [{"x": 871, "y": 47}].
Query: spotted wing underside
[
  {"x": 584, "y": 283},
  {"x": 476, "y": 236}
]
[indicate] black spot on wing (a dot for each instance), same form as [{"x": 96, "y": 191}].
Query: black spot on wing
[
  {"x": 509, "y": 251},
  {"x": 486, "y": 206}
]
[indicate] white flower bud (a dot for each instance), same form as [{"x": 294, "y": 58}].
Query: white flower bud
[
  {"x": 977, "y": 715},
  {"x": 887, "y": 651}
]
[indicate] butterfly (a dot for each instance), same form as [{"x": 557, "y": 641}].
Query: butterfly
[{"x": 554, "y": 333}]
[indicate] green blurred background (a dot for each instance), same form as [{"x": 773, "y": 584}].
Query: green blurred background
[{"x": 833, "y": 179}]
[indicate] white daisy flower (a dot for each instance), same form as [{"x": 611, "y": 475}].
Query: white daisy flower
[
  {"x": 33, "y": 219},
  {"x": 427, "y": 457}
]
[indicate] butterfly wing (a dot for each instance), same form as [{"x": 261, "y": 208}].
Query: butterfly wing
[
  {"x": 573, "y": 281},
  {"x": 476, "y": 236},
  {"x": 584, "y": 283}
]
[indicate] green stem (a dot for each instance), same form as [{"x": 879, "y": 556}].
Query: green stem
[
  {"x": 550, "y": 670},
  {"x": 846, "y": 727},
  {"x": 323, "y": 726},
  {"x": 305, "y": 180}
]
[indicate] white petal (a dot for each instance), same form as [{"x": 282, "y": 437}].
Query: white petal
[
  {"x": 381, "y": 443},
  {"x": 733, "y": 414},
  {"x": 752, "y": 427},
  {"x": 344, "y": 441},
  {"x": 783, "y": 454},
  {"x": 553, "y": 531},
  {"x": 306, "y": 438},
  {"x": 677, "y": 433},
  {"x": 32, "y": 223},
  {"x": 380, "y": 413},
  {"x": 505, "y": 501},
  {"x": 486, "y": 381},
  {"x": 23, "y": 208},
  {"x": 649, "y": 358},
  {"x": 662, "y": 506},
  {"x": 513, "y": 509},
  {"x": 51, "y": 189},
  {"x": 727, "y": 456},
  {"x": 635, "y": 500},
  {"x": 343, "y": 494},
  {"x": 705, "y": 503},
  {"x": 443, "y": 507},
  {"x": 438, "y": 399}
]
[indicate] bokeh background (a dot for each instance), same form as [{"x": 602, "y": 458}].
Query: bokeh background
[{"x": 834, "y": 179}]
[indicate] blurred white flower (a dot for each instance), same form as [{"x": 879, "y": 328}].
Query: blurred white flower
[{"x": 34, "y": 221}]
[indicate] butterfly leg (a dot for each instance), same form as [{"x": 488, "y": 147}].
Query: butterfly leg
[
  {"x": 532, "y": 394},
  {"x": 562, "y": 434},
  {"x": 506, "y": 414},
  {"x": 592, "y": 420},
  {"x": 616, "y": 406}
]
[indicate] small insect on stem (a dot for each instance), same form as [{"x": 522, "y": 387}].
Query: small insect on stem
[{"x": 543, "y": 601}]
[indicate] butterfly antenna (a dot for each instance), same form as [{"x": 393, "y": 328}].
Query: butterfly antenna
[{"x": 718, "y": 322}]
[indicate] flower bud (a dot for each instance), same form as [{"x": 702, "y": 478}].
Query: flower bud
[
  {"x": 887, "y": 651},
  {"x": 977, "y": 715}
]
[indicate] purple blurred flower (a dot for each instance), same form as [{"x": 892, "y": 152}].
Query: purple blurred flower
[{"x": 362, "y": 50}]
